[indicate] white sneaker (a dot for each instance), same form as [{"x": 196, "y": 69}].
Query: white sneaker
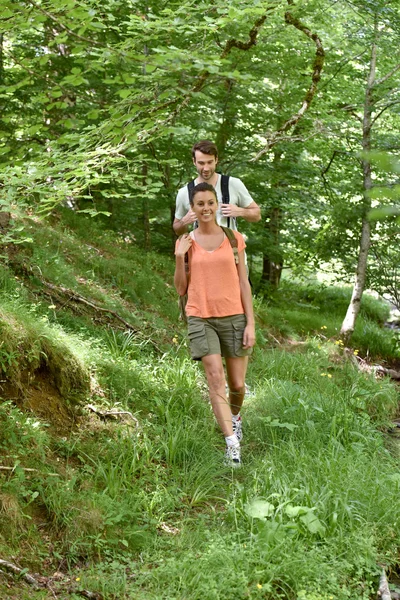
[
  {"x": 237, "y": 428},
  {"x": 232, "y": 456}
]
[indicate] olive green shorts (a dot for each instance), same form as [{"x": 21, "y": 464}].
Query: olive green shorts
[{"x": 217, "y": 335}]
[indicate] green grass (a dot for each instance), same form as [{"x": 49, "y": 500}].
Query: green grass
[
  {"x": 299, "y": 311},
  {"x": 145, "y": 507}
]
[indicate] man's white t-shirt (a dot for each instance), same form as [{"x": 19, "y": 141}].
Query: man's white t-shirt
[{"x": 238, "y": 195}]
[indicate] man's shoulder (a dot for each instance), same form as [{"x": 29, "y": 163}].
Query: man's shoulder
[
  {"x": 235, "y": 181},
  {"x": 183, "y": 191}
]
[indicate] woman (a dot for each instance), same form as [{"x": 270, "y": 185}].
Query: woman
[{"x": 219, "y": 311}]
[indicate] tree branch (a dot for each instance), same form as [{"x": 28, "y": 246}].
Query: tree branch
[
  {"x": 383, "y": 110},
  {"x": 340, "y": 67},
  {"x": 316, "y": 76},
  {"x": 67, "y": 29},
  {"x": 386, "y": 77},
  {"x": 202, "y": 77},
  {"x": 253, "y": 33}
]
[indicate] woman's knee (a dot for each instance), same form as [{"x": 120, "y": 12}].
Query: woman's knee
[
  {"x": 237, "y": 387},
  {"x": 215, "y": 377}
]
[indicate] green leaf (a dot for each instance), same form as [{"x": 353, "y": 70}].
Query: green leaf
[
  {"x": 259, "y": 509},
  {"x": 124, "y": 93},
  {"x": 277, "y": 423},
  {"x": 295, "y": 511},
  {"x": 312, "y": 523}
]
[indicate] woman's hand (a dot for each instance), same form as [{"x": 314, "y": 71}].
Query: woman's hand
[
  {"x": 185, "y": 243},
  {"x": 249, "y": 337}
]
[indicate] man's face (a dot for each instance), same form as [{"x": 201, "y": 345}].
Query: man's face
[{"x": 205, "y": 165}]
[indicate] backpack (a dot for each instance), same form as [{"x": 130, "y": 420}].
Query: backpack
[
  {"x": 224, "y": 191},
  {"x": 234, "y": 245}
]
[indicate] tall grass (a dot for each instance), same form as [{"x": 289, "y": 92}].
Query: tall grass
[{"x": 145, "y": 507}]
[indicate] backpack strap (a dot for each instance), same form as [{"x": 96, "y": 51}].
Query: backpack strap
[
  {"x": 233, "y": 242},
  {"x": 225, "y": 193},
  {"x": 190, "y": 188}
]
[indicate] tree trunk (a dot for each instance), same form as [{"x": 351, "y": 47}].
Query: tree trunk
[
  {"x": 349, "y": 322},
  {"x": 146, "y": 212},
  {"x": 1, "y": 60},
  {"x": 272, "y": 255},
  {"x": 272, "y": 259}
]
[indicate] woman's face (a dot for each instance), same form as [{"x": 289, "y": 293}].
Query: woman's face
[{"x": 205, "y": 206}]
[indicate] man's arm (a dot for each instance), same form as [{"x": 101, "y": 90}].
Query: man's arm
[
  {"x": 184, "y": 216},
  {"x": 243, "y": 204},
  {"x": 250, "y": 213}
]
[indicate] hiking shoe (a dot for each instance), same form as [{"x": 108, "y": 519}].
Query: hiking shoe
[
  {"x": 232, "y": 456},
  {"x": 237, "y": 428}
]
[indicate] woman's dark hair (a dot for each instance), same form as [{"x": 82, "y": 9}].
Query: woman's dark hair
[{"x": 201, "y": 187}]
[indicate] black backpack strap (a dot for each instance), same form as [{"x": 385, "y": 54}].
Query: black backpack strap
[
  {"x": 225, "y": 193},
  {"x": 190, "y": 188},
  {"x": 233, "y": 242}
]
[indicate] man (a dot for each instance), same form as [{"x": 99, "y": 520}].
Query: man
[{"x": 241, "y": 204}]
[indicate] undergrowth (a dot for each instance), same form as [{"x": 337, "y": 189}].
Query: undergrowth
[{"x": 141, "y": 504}]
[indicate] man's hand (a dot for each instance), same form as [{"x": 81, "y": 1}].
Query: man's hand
[
  {"x": 231, "y": 210},
  {"x": 181, "y": 225},
  {"x": 189, "y": 218},
  {"x": 251, "y": 213}
]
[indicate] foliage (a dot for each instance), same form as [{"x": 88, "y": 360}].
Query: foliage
[{"x": 102, "y": 104}]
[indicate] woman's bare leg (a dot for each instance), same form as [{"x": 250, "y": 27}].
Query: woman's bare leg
[
  {"x": 236, "y": 370},
  {"x": 216, "y": 385}
]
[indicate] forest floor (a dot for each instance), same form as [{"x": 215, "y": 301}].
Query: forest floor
[{"x": 113, "y": 484}]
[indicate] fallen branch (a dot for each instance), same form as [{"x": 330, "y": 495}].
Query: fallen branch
[
  {"x": 367, "y": 368},
  {"x": 383, "y": 590},
  {"x": 389, "y": 372},
  {"x": 104, "y": 414},
  {"x": 90, "y": 595},
  {"x": 45, "y": 581},
  {"x": 72, "y": 295},
  {"x": 28, "y": 470},
  {"x": 78, "y": 298},
  {"x": 11, "y": 567}
]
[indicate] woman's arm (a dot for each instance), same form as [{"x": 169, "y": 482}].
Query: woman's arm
[
  {"x": 249, "y": 335},
  {"x": 181, "y": 277}
]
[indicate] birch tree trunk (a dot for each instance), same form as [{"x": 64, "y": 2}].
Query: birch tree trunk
[{"x": 349, "y": 321}]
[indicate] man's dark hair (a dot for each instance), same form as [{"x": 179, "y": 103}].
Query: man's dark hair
[
  {"x": 206, "y": 147},
  {"x": 201, "y": 187}
]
